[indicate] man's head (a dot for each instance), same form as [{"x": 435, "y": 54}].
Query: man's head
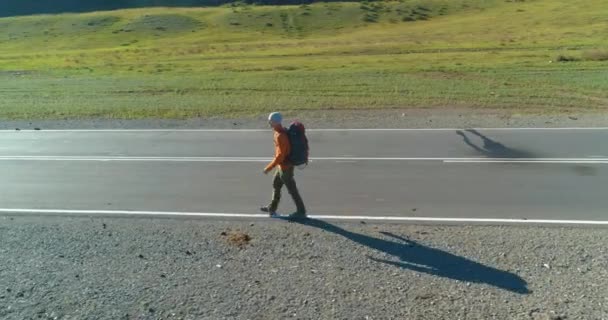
[{"x": 275, "y": 120}]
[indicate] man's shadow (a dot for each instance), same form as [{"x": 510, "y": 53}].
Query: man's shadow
[
  {"x": 491, "y": 148},
  {"x": 417, "y": 257},
  {"x": 495, "y": 149}
]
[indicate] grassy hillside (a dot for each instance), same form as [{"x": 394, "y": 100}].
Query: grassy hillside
[
  {"x": 9, "y": 8},
  {"x": 535, "y": 55}
]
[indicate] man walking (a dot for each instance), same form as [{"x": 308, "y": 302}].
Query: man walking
[{"x": 284, "y": 175}]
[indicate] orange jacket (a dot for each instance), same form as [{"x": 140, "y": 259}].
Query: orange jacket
[{"x": 281, "y": 150}]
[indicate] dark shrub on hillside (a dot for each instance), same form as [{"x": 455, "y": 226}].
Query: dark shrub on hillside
[{"x": 596, "y": 55}]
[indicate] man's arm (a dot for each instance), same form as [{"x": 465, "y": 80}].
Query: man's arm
[{"x": 280, "y": 154}]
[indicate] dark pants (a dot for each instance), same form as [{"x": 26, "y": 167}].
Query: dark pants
[{"x": 285, "y": 178}]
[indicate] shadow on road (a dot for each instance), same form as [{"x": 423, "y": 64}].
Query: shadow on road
[
  {"x": 491, "y": 148},
  {"x": 417, "y": 257},
  {"x": 494, "y": 149}
]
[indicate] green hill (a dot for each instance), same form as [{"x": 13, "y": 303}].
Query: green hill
[
  {"x": 535, "y": 55},
  {"x": 10, "y": 8}
]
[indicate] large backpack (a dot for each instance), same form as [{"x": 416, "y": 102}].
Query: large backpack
[{"x": 299, "y": 144}]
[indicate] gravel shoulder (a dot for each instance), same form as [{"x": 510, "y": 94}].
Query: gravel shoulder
[
  {"x": 397, "y": 118},
  {"x": 127, "y": 268}
]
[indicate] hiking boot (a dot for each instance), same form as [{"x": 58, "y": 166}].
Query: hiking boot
[{"x": 270, "y": 212}]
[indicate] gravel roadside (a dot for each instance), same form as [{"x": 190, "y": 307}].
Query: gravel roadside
[
  {"x": 397, "y": 118},
  {"x": 128, "y": 268}
]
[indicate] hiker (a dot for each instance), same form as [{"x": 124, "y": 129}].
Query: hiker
[{"x": 284, "y": 175}]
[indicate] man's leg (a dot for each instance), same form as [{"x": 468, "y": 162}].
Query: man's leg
[
  {"x": 290, "y": 183},
  {"x": 277, "y": 185}
]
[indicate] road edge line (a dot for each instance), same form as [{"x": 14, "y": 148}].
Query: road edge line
[{"x": 388, "y": 218}]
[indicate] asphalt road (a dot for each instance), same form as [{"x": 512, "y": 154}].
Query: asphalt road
[{"x": 532, "y": 174}]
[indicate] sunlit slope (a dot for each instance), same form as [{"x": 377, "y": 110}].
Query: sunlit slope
[{"x": 247, "y": 59}]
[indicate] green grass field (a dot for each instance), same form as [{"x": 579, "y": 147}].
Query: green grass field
[{"x": 520, "y": 56}]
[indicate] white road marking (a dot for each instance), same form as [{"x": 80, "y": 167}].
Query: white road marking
[
  {"x": 153, "y": 159},
  {"x": 320, "y": 130},
  {"x": 535, "y": 161},
  {"x": 328, "y": 217},
  {"x": 313, "y": 159}
]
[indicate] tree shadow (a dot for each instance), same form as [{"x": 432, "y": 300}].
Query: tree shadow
[
  {"x": 417, "y": 257},
  {"x": 491, "y": 148}
]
